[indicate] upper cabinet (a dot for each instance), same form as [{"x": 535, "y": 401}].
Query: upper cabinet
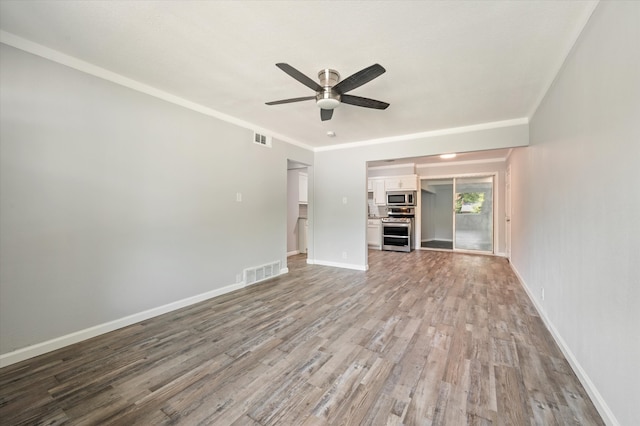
[
  {"x": 380, "y": 185},
  {"x": 379, "y": 192},
  {"x": 402, "y": 183},
  {"x": 303, "y": 185}
]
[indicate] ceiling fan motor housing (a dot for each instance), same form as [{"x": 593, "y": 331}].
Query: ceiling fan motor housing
[{"x": 328, "y": 99}]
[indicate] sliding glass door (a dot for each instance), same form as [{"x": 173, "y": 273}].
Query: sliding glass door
[{"x": 473, "y": 214}]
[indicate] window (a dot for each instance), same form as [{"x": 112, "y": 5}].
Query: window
[{"x": 469, "y": 202}]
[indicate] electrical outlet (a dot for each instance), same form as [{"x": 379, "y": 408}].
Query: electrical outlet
[
  {"x": 542, "y": 293},
  {"x": 344, "y": 200},
  {"x": 239, "y": 197},
  {"x": 344, "y": 254}
]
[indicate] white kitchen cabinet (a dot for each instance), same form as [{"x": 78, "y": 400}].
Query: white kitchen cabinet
[
  {"x": 402, "y": 183},
  {"x": 379, "y": 192},
  {"x": 303, "y": 192},
  {"x": 374, "y": 233}
]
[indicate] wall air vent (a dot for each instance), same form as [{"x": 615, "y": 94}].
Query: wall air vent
[
  {"x": 261, "y": 139},
  {"x": 261, "y": 273}
]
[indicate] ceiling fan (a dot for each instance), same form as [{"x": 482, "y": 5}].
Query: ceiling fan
[{"x": 331, "y": 91}]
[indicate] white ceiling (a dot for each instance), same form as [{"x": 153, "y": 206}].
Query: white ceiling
[{"x": 449, "y": 64}]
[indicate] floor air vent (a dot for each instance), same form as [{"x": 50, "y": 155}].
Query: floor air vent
[{"x": 261, "y": 273}]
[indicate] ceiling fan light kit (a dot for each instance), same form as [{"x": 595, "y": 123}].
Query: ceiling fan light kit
[
  {"x": 328, "y": 99},
  {"x": 330, "y": 93}
]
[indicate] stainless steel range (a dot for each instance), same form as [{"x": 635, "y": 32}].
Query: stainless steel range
[{"x": 397, "y": 229}]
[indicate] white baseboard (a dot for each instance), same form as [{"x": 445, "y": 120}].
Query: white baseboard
[
  {"x": 338, "y": 264},
  {"x": 78, "y": 336},
  {"x": 607, "y": 415},
  {"x": 293, "y": 253}
]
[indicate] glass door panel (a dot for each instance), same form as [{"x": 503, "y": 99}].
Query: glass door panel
[
  {"x": 473, "y": 212},
  {"x": 436, "y": 218}
]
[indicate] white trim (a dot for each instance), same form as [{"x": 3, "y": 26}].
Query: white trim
[
  {"x": 496, "y": 202},
  {"x": 283, "y": 271},
  {"x": 463, "y": 175},
  {"x": 391, "y": 166},
  {"x": 460, "y": 163},
  {"x": 338, "y": 264},
  {"x": 508, "y": 154},
  {"x": 563, "y": 58},
  {"x": 293, "y": 253},
  {"x": 88, "y": 68},
  {"x": 597, "y": 399},
  {"x": 429, "y": 134},
  {"x": 78, "y": 336}
]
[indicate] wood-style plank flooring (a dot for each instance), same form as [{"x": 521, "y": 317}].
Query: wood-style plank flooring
[{"x": 422, "y": 338}]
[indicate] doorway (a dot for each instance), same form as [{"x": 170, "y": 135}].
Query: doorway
[
  {"x": 458, "y": 214},
  {"x": 297, "y": 208},
  {"x": 436, "y": 219}
]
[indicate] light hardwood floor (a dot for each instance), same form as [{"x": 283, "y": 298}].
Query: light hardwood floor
[{"x": 422, "y": 338}]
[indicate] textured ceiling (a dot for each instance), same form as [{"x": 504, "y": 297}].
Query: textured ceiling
[{"x": 449, "y": 64}]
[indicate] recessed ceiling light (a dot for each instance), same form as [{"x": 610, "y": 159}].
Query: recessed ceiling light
[
  {"x": 447, "y": 156},
  {"x": 331, "y": 134}
]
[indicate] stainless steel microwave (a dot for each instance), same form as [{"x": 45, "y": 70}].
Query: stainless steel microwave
[{"x": 401, "y": 198}]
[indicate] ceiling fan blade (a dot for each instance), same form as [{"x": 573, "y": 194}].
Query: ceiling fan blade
[
  {"x": 326, "y": 114},
  {"x": 313, "y": 85},
  {"x": 288, "y": 101},
  {"x": 359, "y": 78},
  {"x": 363, "y": 102}
]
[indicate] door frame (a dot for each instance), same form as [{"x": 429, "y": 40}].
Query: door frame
[
  {"x": 496, "y": 230},
  {"x": 507, "y": 212}
]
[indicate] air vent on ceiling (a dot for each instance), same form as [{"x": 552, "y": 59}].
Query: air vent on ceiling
[
  {"x": 261, "y": 139},
  {"x": 261, "y": 273}
]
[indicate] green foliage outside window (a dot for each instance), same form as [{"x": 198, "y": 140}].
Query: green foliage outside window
[{"x": 469, "y": 202}]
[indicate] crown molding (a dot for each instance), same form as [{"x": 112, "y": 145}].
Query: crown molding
[
  {"x": 460, "y": 163},
  {"x": 96, "y": 71},
  {"x": 392, "y": 166},
  {"x": 429, "y": 134},
  {"x": 569, "y": 48}
]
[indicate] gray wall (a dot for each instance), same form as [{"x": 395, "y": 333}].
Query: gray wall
[
  {"x": 114, "y": 202},
  {"x": 576, "y": 206}
]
